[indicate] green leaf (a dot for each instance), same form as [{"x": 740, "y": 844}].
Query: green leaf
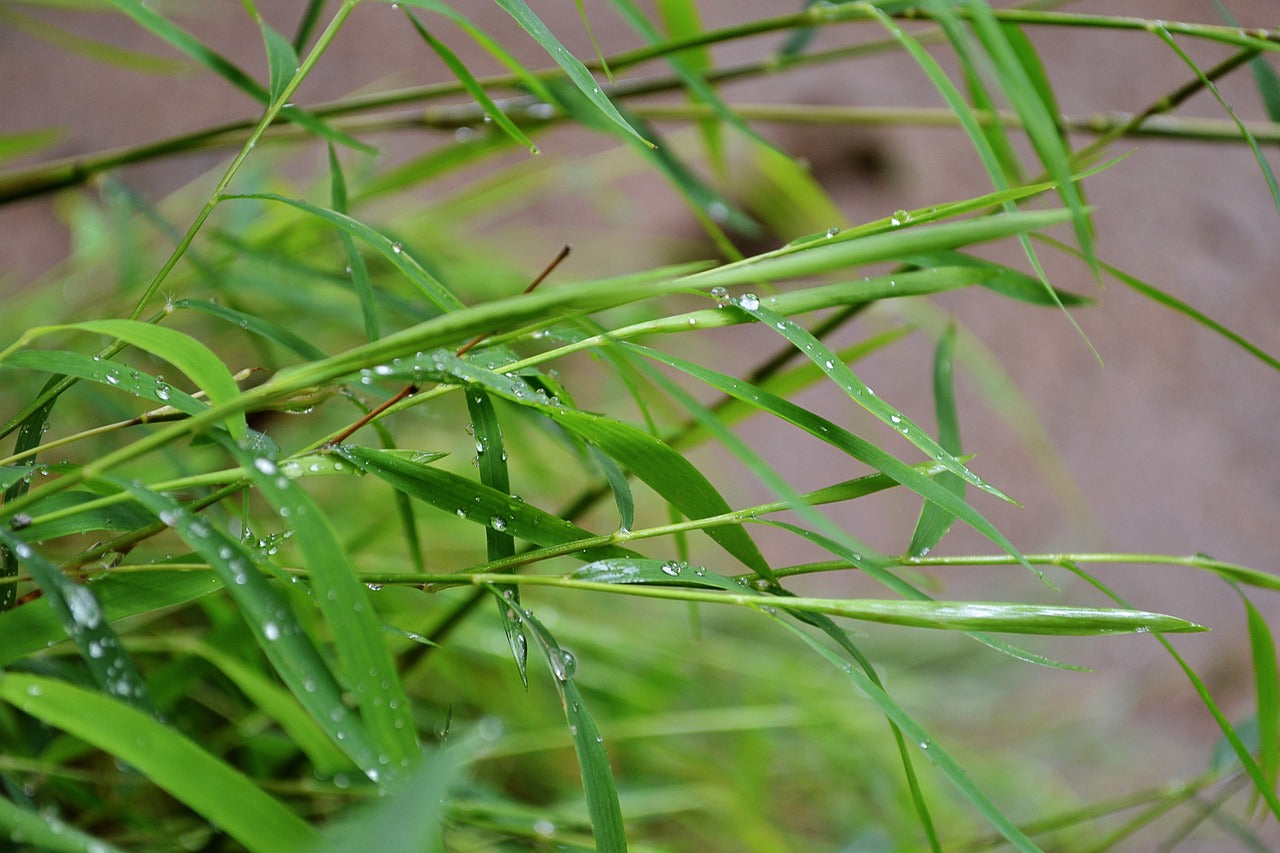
[
  {"x": 49, "y": 832},
  {"x": 254, "y": 325},
  {"x": 411, "y": 817},
  {"x": 491, "y": 459},
  {"x": 576, "y": 71},
  {"x": 274, "y": 625},
  {"x": 663, "y": 469},
  {"x": 393, "y": 251},
  {"x": 841, "y": 438},
  {"x": 935, "y": 521},
  {"x": 1006, "y": 281},
  {"x": 355, "y": 261},
  {"x": 108, "y": 373},
  {"x": 83, "y": 620},
  {"x": 817, "y": 352},
  {"x": 23, "y": 142},
  {"x": 71, "y": 516},
  {"x": 849, "y": 249},
  {"x": 915, "y": 733},
  {"x": 215, "y": 790},
  {"x": 473, "y": 87},
  {"x": 282, "y": 59},
  {"x": 471, "y": 500},
  {"x": 97, "y": 51},
  {"x": 1266, "y": 676},
  {"x": 593, "y": 762},
  {"x": 182, "y": 351},
  {"x": 366, "y": 664}
]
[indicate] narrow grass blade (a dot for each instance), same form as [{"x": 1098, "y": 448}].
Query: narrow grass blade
[
  {"x": 817, "y": 352},
  {"x": 1266, "y": 675},
  {"x": 1172, "y": 302},
  {"x": 365, "y": 661},
  {"x": 275, "y": 627},
  {"x": 619, "y": 486},
  {"x": 49, "y": 833},
  {"x": 1264, "y": 76},
  {"x": 108, "y": 373},
  {"x": 663, "y": 469},
  {"x": 935, "y": 521},
  {"x": 393, "y": 251},
  {"x": 409, "y": 819},
  {"x": 1229, "y": 732},
  {"x": 83, "y": 620},
  {"x": 491, "y": 459},
  {"x": 1006, "y": 281},
  {"x": 847, "y": 250},
  {"x": 471, "y": 500},
  {"x": 355, "y": 261},
  {"x": 182, "y": 351},
  {"x": 593, "y": 762},
  {"x": 98, "y": 51},
  {"x": 841, "y": 438},
  {"x": 276, "y": 703},
  {"x": 254, "y": 325},
  {"x": 473, "y": 87},
  {"x": 681, "y": 20},
  {"x": 70, "y": 516},
  {"x": 307, "y": 24},
  {"x": 1267, "y": 172},
  {"x": 915, "y": 733},
  {"x": 573, "y": 68},
  {"x": 24, "y": 142},
  {"x": 215, "y": 790}
]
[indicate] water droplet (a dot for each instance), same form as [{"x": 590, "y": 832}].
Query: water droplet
[
  {"x": 718, "y": 211},
  {"x": 397, "y": 247},
  {"x": 831, "y": 232},
  {"x": 748, "y": 302},
  {"x": 498, "y": 523},
  {"x": 264, "y": 465},
  {"x": 720, "y": 295},
  {"x": 895, "y": 418},
  {"x": 672, "y": 568},
  {"x": 271, "y": 631},
  {"x": 163, "y": 391},
  {"x": 113, "y": 377}
]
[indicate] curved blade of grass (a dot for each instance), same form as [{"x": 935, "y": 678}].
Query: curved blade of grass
[
  {"x": 573, "y": 68},
  {"x": 254, "y": 325},
  {"x": 182, "y": 351},
  {"x": 663, "y": 469},
  {"x": 71, "y": 516},
  {"x": 916, "y": 734},
  {"x": 1238, "y": 746},
  {"x": 471, "y": 500},
  {"x": 935, "y": 521},
  {"x": 491, "y": 458},
  {"x": 841, "y": 252},
  {"x": 409, "y": 819},
  {"x": 365, "y": 661},
  {"x": 1267, "y": 173},
  {"x": 473, "y": 87},
  {"x": 355, "y": 261},
  {"x": 817, "y": 352},
  {"x": 35, "y": 625},
  {"x": 878, "y": 568},
  {"x": 1006, "y": 281},
  {"x": 618, "y": 485},
  {"x": 842, "y": 439},
  {"x": 593, "y": 762},
  {"x": 127, "y": 379},
  {"x": 98, "y": 51},
  {"x": 1172, "y": 302},
  {"x": 48, "y": 832},
  {"x": 1264, "y": 76},
  {"x": 682, "y": 21},
  {"x": 211, "y": 788},
  {"x": 274, "y": 626},
  {"x": 83, "y": 621},
  {"x": 1266, "y": 678},
  {"x": 185, "y": 43},
  {"x": 392, "y": 251},
  {"x": 528, "y": 79}
]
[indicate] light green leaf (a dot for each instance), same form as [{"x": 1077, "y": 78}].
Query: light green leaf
[
  {"x": 576, "y": 71},
  {"x": 215, "y": 790},
  {"x": 49, "y": 832},
  {"x": 935, "y": 521},
  {"x": 83, "y": 620}
]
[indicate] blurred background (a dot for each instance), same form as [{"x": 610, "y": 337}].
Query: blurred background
[{"x": 1169, "y": 448}]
